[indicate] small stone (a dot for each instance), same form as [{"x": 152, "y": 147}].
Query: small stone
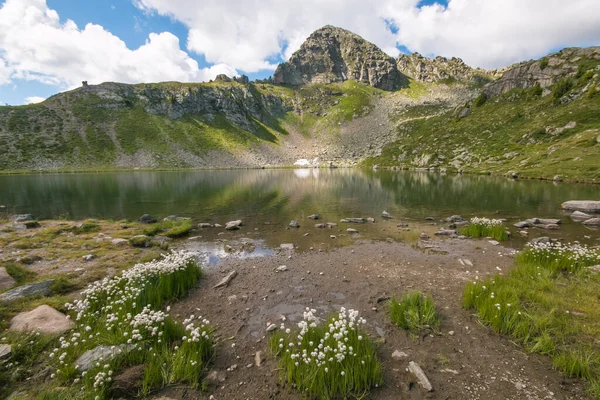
[
  {"x": 424, "y": 236},
  {"x": 422, "y": 379},
  {"x": 271, "y": 327},
  {"x": 258, "y": 358},
  {"x": 451, "y": 333},
  {"x": 399, "y": 355},
  {"x": 5, "y": 351},
  {"x": 592, "y": 222},
  {"x": 88, "y": 257},
  {"x": 233, "y": 225},
  {"x": 320, "y": 226},
  {"x": 314, "y": 216},
  {"x": 294, "y": 224},
  {"x": 386, "y": 215},
  {"x": 119, "y": 242},
  {"x": 286, "y": 246},
  {"x": 6, "y": 281},
  {"x": 351, "y": 231},
  {"x": 225, "y": 281},
  {"x": 204, "y": 225},
  {"x": 494, "y": 242},
  {"x": 282, "y": 268},
  {"x": 332, "y": 237}
]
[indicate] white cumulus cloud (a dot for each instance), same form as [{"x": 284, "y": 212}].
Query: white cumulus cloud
[
  {"x": 251, "y": 34},
  {"x": 35, "y": 45},
  {"x": 34, "y": 99}
]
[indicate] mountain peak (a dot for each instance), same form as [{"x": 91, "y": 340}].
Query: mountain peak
[{"x": 332, "y": 54}]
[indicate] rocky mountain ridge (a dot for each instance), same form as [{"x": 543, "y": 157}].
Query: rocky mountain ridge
[{"x": 332, "y": 54}]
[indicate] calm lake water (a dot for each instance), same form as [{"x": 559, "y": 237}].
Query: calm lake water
[{"x": 278, "y": 196}]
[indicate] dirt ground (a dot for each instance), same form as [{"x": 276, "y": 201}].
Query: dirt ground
[{"x": 465, "y": 361}]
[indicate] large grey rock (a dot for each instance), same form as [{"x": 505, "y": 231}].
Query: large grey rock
[
  {"x": 101, "y": 354},
  {"x": 147, "y": 219},
  {"x": 22, "y": 218},
  {"x": 455, "y": 218},
  {"x": 332, "y": 54},
  {"x": 33, "y": 289},
  {"x": 588, "y": 206},
  {"x": 539, "y": 240},
  {"x": 43, "y": 319},
  {"x": 592, "y": 222},
  {"x": 6, "y": 281},
  {"x": 523, "y": 224}
]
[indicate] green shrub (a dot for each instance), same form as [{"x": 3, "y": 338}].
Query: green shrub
[
  {"x": 330, "y": 360},
  {"x": 561, "y": 88},
  {"x": 415, "y": 312},
  {"x": 543, "y": 63},
  {"x": 536, "y": 90},
  {"x": 86, "y": 227},
  {"x": 591, "y": 92},
  {"x": 480, "y": 100}
]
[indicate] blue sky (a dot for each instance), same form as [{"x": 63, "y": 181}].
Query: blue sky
[{"x": 167, "y": 40}]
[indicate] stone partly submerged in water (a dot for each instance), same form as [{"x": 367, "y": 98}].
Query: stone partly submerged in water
[
  {"x": 578, "y": 215},
  {"x": 592, "y": 206},
  {"x": 233, "y": 225},
  {"x": 43, "y": 319},
  {"x": 592, "y": 222}
]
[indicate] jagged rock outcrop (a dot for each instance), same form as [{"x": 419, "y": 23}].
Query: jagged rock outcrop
[
  {"x": 425, "y": 69},
  {"x": 546, "y": 71},
  {"x": 332, "y": 54}
]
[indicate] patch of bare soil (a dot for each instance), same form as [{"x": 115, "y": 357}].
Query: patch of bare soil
[{"x": 464, "y": 361}]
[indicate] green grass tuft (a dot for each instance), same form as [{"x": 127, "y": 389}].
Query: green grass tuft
[
  {"x": 484, "y": 227},
  {"x": 414, "y": 312}
]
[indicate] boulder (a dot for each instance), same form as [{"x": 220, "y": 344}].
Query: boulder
[
  {"x": 119, "y": 242},
  {"x": 547, "y": 226},
  {"x": 578, "y": 215},
  {"x": 6, "y": 281},
  {"x": 588, "y": 206},
  {"x": 294, "y": 224},
  {"x": 43, "y": 319},
  {"x": 101, "y": 354},
  {"x": 33, "y": 289},
  {"x": 19, "y": 218},
  {"x": 592, "y": 222},
  {"x": 147, "y": 219},
  {"x": 549, "y": 221},
  {"x": 140, "y": 241},
  {"x": 465, "y": 112},
  {"x": 128, "y": 383},
  {"x": 455, "y": 218}
]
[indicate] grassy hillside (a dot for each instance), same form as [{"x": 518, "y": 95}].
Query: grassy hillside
[
  {"x": 533, "y": 132},
  {"x": 170, "y": 125}
]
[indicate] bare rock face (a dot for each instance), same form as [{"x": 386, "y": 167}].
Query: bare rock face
[
  {"x": 332, "y": 54},
  {"x": 425, "y": 69},
  {"x": 43, "y": 319},
  {"x": 545, "y": 72}
]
